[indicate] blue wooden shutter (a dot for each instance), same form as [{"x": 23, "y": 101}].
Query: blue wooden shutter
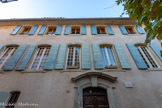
[
  {"x": 139, "y": 29},
  {"x": 1, "y": 46},
  {"x": 24, "y": 61},
  {"x": 11, "y": 63},
  {"x": 109, "y": 30},
  {"x": 83, "y": 30},
  {"x": 156, "y": 49},
  {"x": 97, "y": 59},
  {"x": 136, "y": 56},
  {"x": 86, "y": 60},
  {"x": 61, "y": 57},
  {"x": 49, "y": 65},
  {"x": 3, "y": 97},
  {"x": 15, "y": 31},
  {"x": 58, "y": 30},
  {"x": 67, "y": 30},
  {"x": 122, "y": 57},
  {"x": 33, "y": 30},
  {"x": 123, "y": 30},
  {"x": 93, "y": 30},
  {"x": 42, "y": 30}
]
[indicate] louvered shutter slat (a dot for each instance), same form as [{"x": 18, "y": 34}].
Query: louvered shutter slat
[
  {"x": 156, "y": 49},
  {"x": 33, "y": 30},
  {"x": 11, "y": 63},
  {"x": 86, "y": 60},
  {"x": 24, "y": 61},
  {"x": 122, "y": 57},
  {"x": 58, "y": 30},
  {"x": 93, "y": 30},
  {"x": 139, "y": 29},
  {"x": 136, "y": 56},
  {"x": 109, "y": 30},
  {"x": 49, "y": 65},
  {"x": 123, "y": 30},
  {"x": 67, "y": 30},
  {"x": 42, "y": 30},
  {"x": 83, "y": 30},
  {"x": 61, "y": 57},
  {"x": 15, "y": 31},
  {"x": 97, "y": 59},
  {"x": 3, "y": 97}
]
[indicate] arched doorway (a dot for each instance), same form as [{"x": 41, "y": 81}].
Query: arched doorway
[{"x": 95, "y": 97}]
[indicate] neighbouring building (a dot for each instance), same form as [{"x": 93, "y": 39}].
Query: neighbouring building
[{"x": 78, "y": 63}]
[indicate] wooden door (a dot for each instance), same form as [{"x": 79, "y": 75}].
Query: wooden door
[{"x": 95, "y": 98}]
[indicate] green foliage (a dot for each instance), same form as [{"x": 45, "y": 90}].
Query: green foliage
[{"x": 147, "y": 12}]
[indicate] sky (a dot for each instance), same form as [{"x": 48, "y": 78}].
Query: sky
[{"x": 60, "y": 8}]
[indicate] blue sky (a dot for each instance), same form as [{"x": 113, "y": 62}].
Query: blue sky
[{"x": 60, "y": 8}]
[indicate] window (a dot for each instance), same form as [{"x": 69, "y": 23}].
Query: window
[
  {"x": 108, "y": 57},
  {"x": 13, "y": 99},
  {"x": 25, "y": 30},
  {"x": 130, "y": 30},
  {"x": 73, "y": 60},
  {"x": 101, "y": 30},
  {"x": 147, "y": 57},
  {"x": 40, "y": 58},
  {"x": 51, "y": 30},
  {"x": 6, "y": 54},
  {"x": 75, "y": 30}
]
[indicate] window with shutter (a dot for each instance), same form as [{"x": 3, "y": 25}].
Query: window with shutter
[
  {"x": 101, "y": 30},
  {"x": 51, "y": 30},
  {"x": 147, "y": 57},
  {"x": 13, "y": 99},
  {"x": 108, "y": 57},
  {"x": 75, "y": 30},
  {"x": 6, "y": 55},
  {"x": 130, "y": 30},
  {"x": 73, "y": 57},
  {"x": 40, "y": 58},
  {"x": 25, "y": 30}
]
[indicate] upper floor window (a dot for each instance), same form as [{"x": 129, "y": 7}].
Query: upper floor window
[
  {"x": 147, "y": 57},
  {"x": 6, "y": 55},
  {"x": 101, "y": 30},
  {"x": 40, "y": 58},
  {"x": 73, "y": 57},
  {"x": 108, "y": 57},
  {"x": 51, "y": 30},
  {"x": 75, "y": 30},
  {"x": 13, "y": 99},
  {"x": 25, "y": 30},
  {"x": 130, "y": 30}
]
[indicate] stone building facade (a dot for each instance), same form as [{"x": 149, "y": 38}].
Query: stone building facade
[{"x": 78, "y": 63}]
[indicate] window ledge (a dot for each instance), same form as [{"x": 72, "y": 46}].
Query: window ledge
[
  {"x": 154, "y": 69},
  {"x": 134, "y": 35},
  {"x": 34, "y": 71},
  {"x": 114, "y": 70}
]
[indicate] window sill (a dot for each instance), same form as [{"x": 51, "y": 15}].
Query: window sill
[
  {"x": 134, "y": 34},
  {"x": 111, "y": 67},
  {"x": 34, "y": 71},
  {"x": 154, "y": 69}
]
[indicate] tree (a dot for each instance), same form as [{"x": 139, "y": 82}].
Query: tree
[{"x": 147, "y": 12}]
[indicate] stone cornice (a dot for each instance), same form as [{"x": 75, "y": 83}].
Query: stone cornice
[{"x": 67, "y": 21}]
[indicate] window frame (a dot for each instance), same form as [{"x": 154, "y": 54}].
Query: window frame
[
  {"x": 67, "y": 54},
  {"x": 116, "y": 61},
  {"x": 102, "y": 27},
  {"x": 75, "y": 27},
  {"x": 23, "y": 28},
  {"x": 47, "y": 29},
  {"x": 35, "y": 55},
  {"x": 133, "y": 29}
]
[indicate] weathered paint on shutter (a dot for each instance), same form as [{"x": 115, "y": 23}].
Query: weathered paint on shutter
[
  {"x": 1, "y": 46},
  {"x": 60, "y": 61},
  {"x": 15, "y": 31},
  {"x": 58, "y": 30},
  {"x": 123, "y": 30},
  {"x": 97, "y": 59},
  {"x": 24, "y": 61},
  {"x": 93, "y": 30},
  {"x": 136, "y": 56},
  {"x": 83, "y": 30},
  {"x": 139, "y": 29},
  {"x": 109, "y": 30},
  {"x": 49, "y": 65},
  {"x": 113, "y": 103},
  {"x": 11, "y": 63},
  {"x": 3, "y": 97},
  {"x": 33, "y": 30},
  {"x": 86, "y": 60},
  {"x": 122, "y": 57},
  {"x": 42, "y": 30},
  {"x": 156, "y": 49},
  {"x": 67, "y": 30}
]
